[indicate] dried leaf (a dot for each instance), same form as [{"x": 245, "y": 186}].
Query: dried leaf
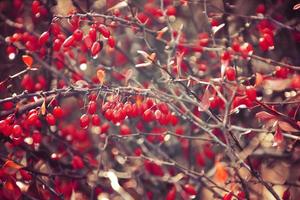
[
  {"x": 152, "y": 57},
  {"x": 277, "y": 85},
  {"x": 179, "y": 59},
  {"x": 278, "y": 137},
  {"x": 221, "y": 173},
  {"x": 10, "y": 167},
  {"x": 258, "y": 79},
  {"x": 27, "y": 60},
  {"x": 43, "y": 107},
  {"x": 64, "y": 7},
  {"x": 286, "y": 126},
  {"x": 264, "y": 116},
  {"x": 128, "y": 75},
  {"x": 205, "y": 100},
  {"x": 101, "y": 76},
  {"x": 119, "y": 5}
]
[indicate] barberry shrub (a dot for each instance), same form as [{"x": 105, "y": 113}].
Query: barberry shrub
[{"x": 149, "y": 99}]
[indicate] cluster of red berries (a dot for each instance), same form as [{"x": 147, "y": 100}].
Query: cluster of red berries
[
  {"x": 18, "y": 130},
  {"x": 30, "y": 85},
  {"x": 38, "y": 9},
  {"x": 149, "y": 110}
]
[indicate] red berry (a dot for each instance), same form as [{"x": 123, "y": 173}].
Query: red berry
[
  {"x": 263, "y": 44},
  {"x": 104, "y": 31},
  {"x": 295, "y": 82},
  {"x": 214, "y": 22},
  {"x": 84, "y": 121},
  {"x": 5, "y": 128},
  {"x": 228, "y": 196},
  {"x": 95, "y": 49},
  {"x": 96, "y": 120},
  {"x": 251, "y": 93},
  {"x": 148, "y": 115},
  {"x": 190, "y": 189},
  {"x": 55, "y": 28},
  {"x": 36, "y": 137},
  {"x": 269, "y": 39},
  {"x": 25, "y": 175},
  {"x": 260, "y": 9},
  {"x": 286, "y": 194},
  {"x": 171, "y": 11},
  {"x": 93, "y": 34},
  {"x": 241, "y": 195},
  {"x": 58, "y": 112},
  {"x": 164, "y": 108},
  {"x": 35, "y": 7},
  {"x": 200, "y": 160},
  {"x": 104, "y": 127},
  {"x": 111, "y": 42},
  {"x": 125, "y": 130},
  {"x": 230, "y": 73},
  {"x": 236, "y": 46},
  {"x": 33, "y": 118},
  {"x": 171, "y": 194},
  {"x": 17, "y": 131},
  {"x": 77, "y": 162},
  {"x": 281, "y": 72},
  {"x": 78, "y": 34},
  {"x": 226, "y": 56},
  {"x": 69, "y": 41},
  {"x": 158, "y": 114},
  {"x": 57, "y": 44},
  {"x": 92, "y": 107},
  {"x": 127, "y": 107},
  {"x": 138, "y": 151},
  {"x": 50, "y": 119},
  {"x": 44, "y": 38},
  {"x": 3, "y": 125}
]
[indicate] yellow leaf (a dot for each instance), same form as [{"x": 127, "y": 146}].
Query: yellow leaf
[
  {"x": 43, "y": 108},
  {"x": 101, "y": 76}
]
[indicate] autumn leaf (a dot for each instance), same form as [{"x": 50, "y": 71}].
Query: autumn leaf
[
  {"x": 258, "y": 79},
  {"x": 277, "y": 84},
  {"x": 27, "y": 60},
  {"x": 152, "y": 57},
  {"x": 264, "y": 116},
  {"x": 286, "y": 127},
  {"x": 221, "y": 173},
  {"x": 278, "y": 136},
  {"x": 205, "y": 100},
  {"x": 43, "y": 107},
  {"x": 10, "y": 167},
  {"x": 101, "y": 76}
]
